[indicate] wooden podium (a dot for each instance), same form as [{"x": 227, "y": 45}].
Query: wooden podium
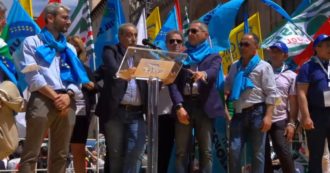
[{"x": 154, "y": 66}]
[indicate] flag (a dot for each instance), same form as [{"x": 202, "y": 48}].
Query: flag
[
  {"x": 6, "y": 62},
  {"x": 153, "y": 24},
  {"x": 229, "y": 56},
  {"x": 301, "y": 7},
  {"x": 178, "y": 13},
  {"x": 142, "y": 27},
  {"x": 171, "y": 23},
  {"x": 186, "y": 24},
  {"x": 223, "y": 16},
  {"x": 19, "y": 26},
  {"x": 308, "y": 20},
  {"x": 246, "y": 23},
  {"x": 113, "y": 17},
  {"x": 82, "y": 26},
  {"x": 27, "y": 5},
  {"x": 41, "y": 19},
  {"x": 277, "y": 8},
  {"x": 309, "y": 51}
]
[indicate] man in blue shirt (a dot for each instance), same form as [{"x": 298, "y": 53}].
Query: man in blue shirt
[
  {"x": 52, "y": 71},
  {"x": 313, "y": 85}
]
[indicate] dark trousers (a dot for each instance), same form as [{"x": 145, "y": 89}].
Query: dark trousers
[
  {"x": 165, "y": 141},
  {"x": 203, "y": 126},
  {"x": 281, "y": 147},
  {"x": 316, "y": 138}
]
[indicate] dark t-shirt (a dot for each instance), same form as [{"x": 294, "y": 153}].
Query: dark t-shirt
[{"x": 312, "y": 73}]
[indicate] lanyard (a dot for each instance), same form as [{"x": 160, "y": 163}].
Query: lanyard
[
  {"x": 327, "y": 72},
  {"x": 282, "y": 70}
]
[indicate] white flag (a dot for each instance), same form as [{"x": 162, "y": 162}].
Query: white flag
[
  {"x": 308, "y": 20},
  {"x": 142, "y": 27}
]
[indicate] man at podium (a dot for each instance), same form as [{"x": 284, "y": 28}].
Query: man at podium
[
  {"x": 121, "y": 107},
  {"x": 196, "y": 99}
]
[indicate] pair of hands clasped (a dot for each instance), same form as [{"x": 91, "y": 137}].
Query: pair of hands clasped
[{"x": 62, "y": 101}]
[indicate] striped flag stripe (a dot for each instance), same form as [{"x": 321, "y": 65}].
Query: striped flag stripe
[{"x": 82, "y": 26}]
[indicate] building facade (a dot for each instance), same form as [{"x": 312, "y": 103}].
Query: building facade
[{"x": 268, "y": 17}]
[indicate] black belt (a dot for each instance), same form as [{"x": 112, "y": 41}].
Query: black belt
[
  {"x": 61, "y": 91},
  {"x": 130, "y": 107},
  {"x": 253, "y": 107},
  {"x": 194, "y": 96}
]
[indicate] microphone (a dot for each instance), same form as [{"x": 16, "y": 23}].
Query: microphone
[{"x": 147, "y": 43}]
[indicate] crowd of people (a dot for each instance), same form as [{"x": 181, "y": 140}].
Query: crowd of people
[{"x": 266, "y": 97}]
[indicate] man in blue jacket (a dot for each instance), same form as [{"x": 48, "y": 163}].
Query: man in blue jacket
[{"x": 195, "y": 99}]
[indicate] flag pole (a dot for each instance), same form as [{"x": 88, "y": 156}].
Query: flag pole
[
  {"x": 90, "y": 29},
  {"x": 297, "y": 27}
]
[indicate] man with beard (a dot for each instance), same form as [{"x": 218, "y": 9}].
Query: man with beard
[{"x": 52, "y": 71}]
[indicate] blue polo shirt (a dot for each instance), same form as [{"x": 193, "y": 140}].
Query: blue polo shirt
[{"x": 312, "y": 73}]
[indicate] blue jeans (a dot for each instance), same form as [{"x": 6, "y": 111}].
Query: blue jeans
[
  {"x": 183, "y": 138},
  {"x": 244, "y": 126},
  {"x": 316, "y": 138},
  {"x": 125, "y": 136}
]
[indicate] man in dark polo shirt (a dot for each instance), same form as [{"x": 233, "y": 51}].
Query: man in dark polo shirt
[{"x": 313, "y": 83}]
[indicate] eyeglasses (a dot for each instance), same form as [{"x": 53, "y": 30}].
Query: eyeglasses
[
  {"x": 172, "y": 41},
  {"x": 244, "y": 44},
  {"x": 192, "y": 30}
]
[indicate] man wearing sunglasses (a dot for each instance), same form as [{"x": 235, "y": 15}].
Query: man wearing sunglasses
[
  {"x": 196, "y": 100},
  {"x": 174, "y": 43},
  {"x": 251, "y": 86}
]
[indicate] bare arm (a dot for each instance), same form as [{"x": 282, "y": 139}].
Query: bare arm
[
  {"x": 303, "y": 106},
  {"x": 267, "y": 121},
  {"x": 293, "y": 114}
]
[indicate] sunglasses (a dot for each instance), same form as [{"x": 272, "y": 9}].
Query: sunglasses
[
  {"x": 172, "y": 41},
  {"x": 244, "y": 44},
  {"x": 192, "y": 30}
]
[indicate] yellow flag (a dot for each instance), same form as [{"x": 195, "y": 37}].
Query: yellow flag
[
  {"x": 27, "y": 5},
  {"x": 229, "y": 56},
  {"x": 153, "y": 24}
]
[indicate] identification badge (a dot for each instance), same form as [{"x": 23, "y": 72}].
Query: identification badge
[{"x": 326, "y": 96}]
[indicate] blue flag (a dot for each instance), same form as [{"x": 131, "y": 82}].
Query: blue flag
[
  {"x": 171, "y": 23},
  {"x": 246, "y": 23},
  {"x": 278, "y": 9},
  {"x": 221, "y": 21},
  {"x": 113, "y": 17},
  {"x": 301, "y": 7},
  {"x": 19, "y": 26}
]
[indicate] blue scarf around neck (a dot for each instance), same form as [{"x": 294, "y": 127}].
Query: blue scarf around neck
[
  {"x": 242, "y": 80},
  {"x": 197, "y": 54},
  {"x": 71, "y": 67}
]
